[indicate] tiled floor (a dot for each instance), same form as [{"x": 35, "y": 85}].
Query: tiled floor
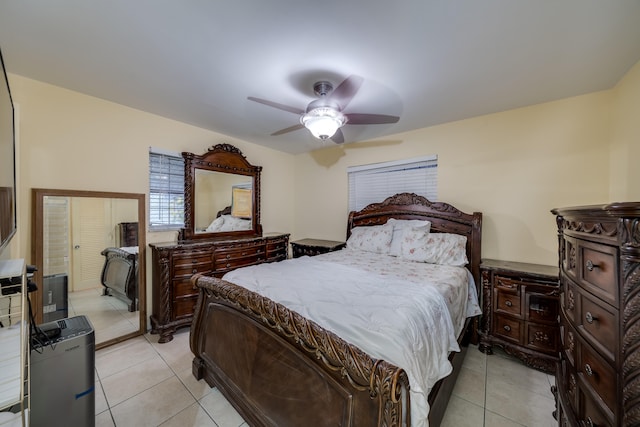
[{"x": 142, "y": 383}]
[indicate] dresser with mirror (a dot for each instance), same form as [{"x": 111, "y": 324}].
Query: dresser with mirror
[{"x": 222, "y": 232}]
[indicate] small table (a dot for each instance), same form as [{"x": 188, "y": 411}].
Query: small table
[{"x": 312, "y": 247}]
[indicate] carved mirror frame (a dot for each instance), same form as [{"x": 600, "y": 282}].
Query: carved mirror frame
[{"x": 224, "y": 158}]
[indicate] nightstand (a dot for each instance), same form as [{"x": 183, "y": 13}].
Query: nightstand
[
  {"x": 520, "y": 306},
  {"x": 312, "y": 247}
]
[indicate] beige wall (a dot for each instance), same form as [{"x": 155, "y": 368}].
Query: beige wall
[
  {"x": 513, "y": 166},
  {"x": 625, "y": 145},
  {"x": 73, "y": 141}
]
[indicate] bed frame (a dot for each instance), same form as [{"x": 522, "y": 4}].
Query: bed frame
[
  {"x": 120, "y": 276},
  {"x": 278, "y": 368}
]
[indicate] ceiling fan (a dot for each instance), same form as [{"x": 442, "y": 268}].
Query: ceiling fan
[{"x": 325, "y": 116}]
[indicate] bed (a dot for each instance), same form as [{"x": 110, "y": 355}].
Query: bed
[
  {"x": 120, "y": 274},
  {"x": 278, "y": 367}
]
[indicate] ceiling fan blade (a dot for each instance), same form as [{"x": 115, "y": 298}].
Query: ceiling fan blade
[
  {"x": 338, "y": 137},
  {"x": 370, "y": 119},
  {"x": 293, "y": 110},
  {"x": 346, "y": 90},
  {"x": 289, "y": 129}
]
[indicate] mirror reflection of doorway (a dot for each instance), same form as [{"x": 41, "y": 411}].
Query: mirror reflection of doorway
[{"x": 88, "y": 264}]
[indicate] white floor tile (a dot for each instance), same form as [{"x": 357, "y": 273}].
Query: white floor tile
[
  {"x": 151, "y": 384},
  {"x": 154, "y": 406}
]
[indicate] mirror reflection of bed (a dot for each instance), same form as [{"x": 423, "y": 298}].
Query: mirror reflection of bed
[
  {"x": 223, "y": 201},
  {"x": 89, "y": 263}
]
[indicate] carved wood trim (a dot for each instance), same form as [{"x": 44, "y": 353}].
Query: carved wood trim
[
  {"x": 384, "y": 381},
  {"x": 629, "y": 234},
  {"x": 224, "y": 158}
]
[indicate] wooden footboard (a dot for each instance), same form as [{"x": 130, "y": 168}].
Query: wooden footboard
[{"x": 277, "y": 368}]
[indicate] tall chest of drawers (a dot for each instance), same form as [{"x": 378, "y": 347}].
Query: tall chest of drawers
[
  {"x": 598, "y": 377},
  {"x": 173, "y": 264}
]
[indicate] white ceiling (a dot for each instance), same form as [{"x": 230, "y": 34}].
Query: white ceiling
[{"x": 427, "y": 61}]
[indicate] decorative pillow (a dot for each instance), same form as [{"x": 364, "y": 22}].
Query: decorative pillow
[
  {"x": 376, "y": 238},
  {"x": 399, "y": 225},
  {"x": 434, "y": 248}
]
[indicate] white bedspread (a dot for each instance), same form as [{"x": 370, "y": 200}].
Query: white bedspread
[{"x": 385, "y": 309}]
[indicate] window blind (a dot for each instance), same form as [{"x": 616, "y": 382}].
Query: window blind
[
  {"x": 166, "y": 190},
  {"x": 375, "y": 182}
]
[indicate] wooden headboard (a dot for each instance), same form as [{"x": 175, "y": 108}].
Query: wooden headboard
[{"x": 444, "y": 218}]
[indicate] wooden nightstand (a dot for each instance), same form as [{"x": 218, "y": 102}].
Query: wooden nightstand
[
  {"x": 520, "y": 306},
  {"x": 312, "y": 247}
]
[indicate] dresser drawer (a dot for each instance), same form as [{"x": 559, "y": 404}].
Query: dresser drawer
[
  {"x": 277, "y": 254},
  {"x": 188, "y": 265},
  {"x": 508, "y": 328},
  {"x": 599, "y": 325},
  {"x": 231, "y": 264},
  {"x": 591, "y": 412},
  {"x": 223, "y": 256},
  {"x": 542, "y": 337},
  {"x": 184, "y": 307},
  {"x": 184, "y": 288},
  {"x": 598, "y": 270},
  {"x": 508, "y": 297},
  {"x": 541, "y": 308},
  {"x": 598, "y": 376}
]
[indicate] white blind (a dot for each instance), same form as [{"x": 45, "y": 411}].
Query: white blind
[
  {"x": 374, "y": 183},
  {"x": 166, "y": 190}
]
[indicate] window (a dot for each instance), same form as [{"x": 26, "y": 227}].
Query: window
[
  {"x": 166, "y": 190},
  {"x": 374, "y": 183}
]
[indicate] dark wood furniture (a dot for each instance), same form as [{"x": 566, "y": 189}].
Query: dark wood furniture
[
  {"x": 520, "y": 302},
  {"x": 312, "y": 247},
  {"x": 173, "y": 264},
  {"x": 120, "y": 275},
  {"x": 127, "y": 234},
  {"x": 598, "y": 378},
  {"x": 287, "y": 371},
  {"x": 209, "y": 182}
]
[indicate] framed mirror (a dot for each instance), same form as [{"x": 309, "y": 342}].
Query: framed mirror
[
  {"x": 222, "y": 194},
  {"x": 89, "y": 251}
]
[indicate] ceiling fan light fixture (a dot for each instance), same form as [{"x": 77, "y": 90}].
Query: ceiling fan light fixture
[{"x": 323, "y": 122}]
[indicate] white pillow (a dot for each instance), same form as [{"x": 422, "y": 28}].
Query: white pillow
[
  {"x": 434, "y": 248},
  {"x": 375, "y": 238},
  {"x": 399, "y": 225}
]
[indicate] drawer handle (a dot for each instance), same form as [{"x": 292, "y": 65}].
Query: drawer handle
[
  {"x": 228, "y": 256},
  {"x": 507, "y": 328},
  {"x": 508, "y": 303},
  {"x": 228, "y": 265},
  {"x": 591, "y": 265},
  {"x": 590, "y": 317},
  {"x": 588, "y": 370}
]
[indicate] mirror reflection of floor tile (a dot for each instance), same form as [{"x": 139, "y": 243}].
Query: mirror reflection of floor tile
[{"x": 109, "y": 315}]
